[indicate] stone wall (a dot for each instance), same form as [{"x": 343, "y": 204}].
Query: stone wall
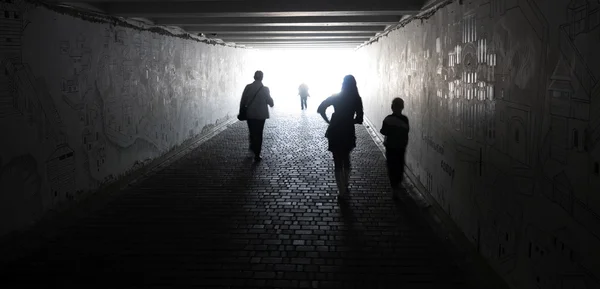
[
  {"x": 83, "y": 102},
  {"x": 503, "y": 100}
]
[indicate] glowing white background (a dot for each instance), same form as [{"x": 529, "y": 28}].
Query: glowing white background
[{"x": 321, "y": 69}]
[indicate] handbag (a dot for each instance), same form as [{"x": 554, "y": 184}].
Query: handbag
[{"x": 244, "y": 109}]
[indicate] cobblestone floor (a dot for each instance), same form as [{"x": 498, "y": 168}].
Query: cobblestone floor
[{"x": 212, "y": 219}]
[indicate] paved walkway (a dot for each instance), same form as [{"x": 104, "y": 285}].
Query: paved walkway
[{"x": 212, "y": 219}]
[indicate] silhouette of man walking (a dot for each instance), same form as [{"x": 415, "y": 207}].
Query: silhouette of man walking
[
  {"x": 253, "y": 108},
  {"x": 303, "y": 92}
]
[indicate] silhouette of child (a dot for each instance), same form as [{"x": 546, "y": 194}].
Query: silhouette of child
[{"x": 395, "y": 129}]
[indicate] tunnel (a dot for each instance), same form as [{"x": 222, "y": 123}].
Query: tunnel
[{"x": 124, "y": 157}]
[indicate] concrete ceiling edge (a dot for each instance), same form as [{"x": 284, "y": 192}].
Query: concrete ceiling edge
[
  {"x": 430, "y": 8},
  {"x": 96, "y": 16}
]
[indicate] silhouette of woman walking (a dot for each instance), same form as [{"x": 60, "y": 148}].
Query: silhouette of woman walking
[{"x": 341, "y": 133}]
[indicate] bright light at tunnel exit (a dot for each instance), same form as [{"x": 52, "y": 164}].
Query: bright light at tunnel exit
[{"x": 321, "y": 69}]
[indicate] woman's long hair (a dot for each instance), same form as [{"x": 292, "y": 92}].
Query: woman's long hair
[{"x": 349, "y": 88}]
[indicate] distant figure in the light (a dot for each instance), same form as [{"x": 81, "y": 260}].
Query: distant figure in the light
[
  {"x": 303, "y": 92},
  {"x": 395, "y": 129},
  {"x": 253, "y": 108},
  {"x": 341, "y": 133}
]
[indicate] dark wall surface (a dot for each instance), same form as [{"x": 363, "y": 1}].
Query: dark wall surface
[
  {"x": 83, "y": 102},
  {"x": 504, "y": 103}
]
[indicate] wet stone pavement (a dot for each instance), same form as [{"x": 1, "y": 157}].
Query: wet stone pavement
[{"x": 214, "y": 220}]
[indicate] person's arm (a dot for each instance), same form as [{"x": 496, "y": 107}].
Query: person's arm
[
  {"x": 385, "y": 128},
  {"x": 244, "y": 97},
  {"x": 323, "y": 108},
  {"x": 359, "y": 112},
  {"x": 406, "y": 130},
  {"x": 269, "y": 98}
]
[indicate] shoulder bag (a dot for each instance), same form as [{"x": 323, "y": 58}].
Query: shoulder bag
[{"x": 244, "y": 109}]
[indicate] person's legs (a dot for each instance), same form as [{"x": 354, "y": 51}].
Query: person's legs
[
  {"x": 337, "y": 163},
  {"x": 395, "y": 165},
  {"x": 258, "y": 137},
  {"x": 401, "y": 165},
  {"x": 392, "y": 166},
  {"x": 302, "y": 102},
  {"x": 250, "y": 123},
  {"x": 341, "y": 161},
  {"x": 347, "y": 169}
]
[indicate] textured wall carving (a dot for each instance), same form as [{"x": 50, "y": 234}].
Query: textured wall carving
[
  {"x": 82, "y": 103},
  {"x": 504, "y": 101}
]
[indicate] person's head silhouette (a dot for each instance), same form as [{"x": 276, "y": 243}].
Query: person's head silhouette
[
  {"x": 258, "y": 75},
  {"x": 349, "y": 88},
  {"x": 397, "y": 105}
]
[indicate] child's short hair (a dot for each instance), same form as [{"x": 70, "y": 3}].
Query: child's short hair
[{"x": 397, "y": 103}]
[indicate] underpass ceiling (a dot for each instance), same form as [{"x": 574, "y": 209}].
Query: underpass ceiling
[{"x": 268, "y": 23}]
